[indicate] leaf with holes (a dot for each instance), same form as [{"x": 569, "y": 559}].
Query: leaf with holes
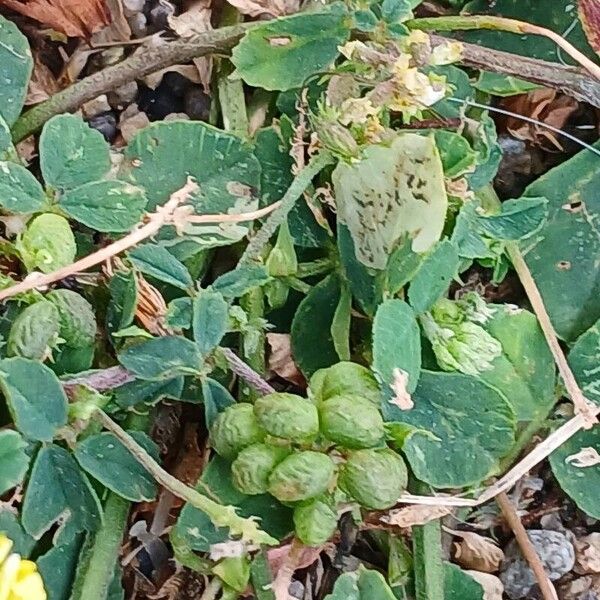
[
  {"x": 59, "y": 492},
  {"x": 16, "y": 65},
  {"x": 107, "y": 206},
  {"x": 282, "y": 54},
  {"x": 391, "y": 192},
  {"x": 105, "y": 458}
]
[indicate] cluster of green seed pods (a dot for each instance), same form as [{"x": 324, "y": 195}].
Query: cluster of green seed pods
[{"x": 313, "y": 453}]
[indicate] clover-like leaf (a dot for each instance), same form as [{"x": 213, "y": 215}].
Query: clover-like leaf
[
  {"x": 16, "y": 64},
  {"x": 20, "y": 191},
  {"x": 108, "y": 206},
  {"x": 13, "y": 460},
  {"x": 461, "y": 446},
  {"x": 392, "y": 191},
  {"x": 35, "y": 397},
  {"x": 158, "y": 262},
  {"x": 282, "y": 54},
  {"x": 241, "y": 280},
  {"x": 72, "y": 153}
]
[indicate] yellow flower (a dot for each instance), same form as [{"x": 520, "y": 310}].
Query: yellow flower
[{"x": 19, "y": 579}]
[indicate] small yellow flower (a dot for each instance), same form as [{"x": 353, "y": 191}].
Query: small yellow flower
[{"x": 19, "y": 579}]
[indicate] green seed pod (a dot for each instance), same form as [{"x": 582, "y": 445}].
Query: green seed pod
[
  {"x": 77, "y": 318},
  {"x": 374, "y": 478},
  {"x": 34, "y": 332},
  {"x": 301, "y": 476},
  {"x": 234, "y": 429},
  {"x": 350, "y": 378},
  {"x": 352, "y": 422},
  {"x": 251, "y": 469},
  {"x": 315, "y": 521},
  {"x": 288, "y": 416}
]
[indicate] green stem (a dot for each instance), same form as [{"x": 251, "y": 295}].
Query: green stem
[
  {"x": 221, "y": 516},
  {"x": 254, "y": 346},
  {"x": 467, "y": 22},
  {"x": 277, "y": 217}
]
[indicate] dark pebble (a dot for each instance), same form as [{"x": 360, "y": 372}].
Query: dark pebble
[
  {"x": 176, "y": 82},
  {"x": 159, "y": 103},
  {"x": 197, "y": 104},
  {"x": 106, "y": 124}
]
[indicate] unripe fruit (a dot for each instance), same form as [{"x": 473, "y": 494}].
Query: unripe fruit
[
  {"x": 234, "y": 429},
  {"x": 352, "y": 422},
  {"x": 34, "y": 332},
  {"x": 314, "y": 522},
  {"x": 301, "y": 476},
  {"x": 350, "y": 378},
  {"x": 374, "y": 478},
  {"x": 288, "y": 416},
  {"x": 251, "y": 469},
  {"x": 77, "y": 318}
]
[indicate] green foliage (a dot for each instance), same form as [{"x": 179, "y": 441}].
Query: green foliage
[
  {"x": 58, "y": 492},
  {"x": 16, "y": 65},
  {"x": 76, "y": 316},
  {"x": 283, "y": 54},
  {"x": 13, "y": 460},
  {"x": 361, "y": 585},
  {"x": 583, "y": 360},
  {"x": 158, "y": 262},
  {"x": 238, "y": 282},
  {"x": 462, "y": 450},
  {"x": 72, "y": 153},
  {"x": 210, "y": 320},
  {"x": 105, "y": 458},
  {"x": 20, "y": 191},
  {"x": 35, "y": 398},
  {"x": 109, "y": 206},
  {"x": 459, "y": 585},
  {"x": 58, "y": 566},
  {"x": 315, "y": 521},
  {"x": 497, "y": 84}
]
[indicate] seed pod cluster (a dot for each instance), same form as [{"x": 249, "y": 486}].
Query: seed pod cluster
[{"x": 309, "y": 453}]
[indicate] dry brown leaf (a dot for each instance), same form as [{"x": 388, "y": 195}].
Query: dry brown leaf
[
  {"x": 118, "y": 30},
  {"x": 402, "y": 398},
  {"x": 492, "y": 586},
  {"x": 74, "y": 18},
  {"x": 589, "y": 15},
  {"x": 586, "y": 457},
  {"x": 545, "y": 105},
  {"x": 275, "y": 8},
  {"x": 477, "y": 552},
  {"x": 277, "y": 556},
  {"x": 415, "y": 515},
  {"x": 587, "y": 554},
  {"x": 42, "y": 84},
  {"x": 281, "y": 361}
]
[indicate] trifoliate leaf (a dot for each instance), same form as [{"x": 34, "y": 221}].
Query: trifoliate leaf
[
  {"x": 158, "y": 262},
  {"x": 282, "y": 54},
  {"x": 241, "y": 280},
  {"x": 72, "y": 153},
  {"x": 392, "y": 192},
  {"x": 20, "y": 191},
  {"x": 108, "y": 206}
]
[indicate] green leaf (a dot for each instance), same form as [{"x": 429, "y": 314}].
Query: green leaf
[
  {"x": 162, "y": 358},
  {"x": 10, "y": 526},
  {"x": 584, "y": 359},
  {"x": 262, "y": 577},
  {"x": 312, "y": 343},
  {"x": 16, "y": 65},
  {"x": 58, "y": 492},
  {"x": 282, "y": 54},
  {"x": 485, "y": 142},
  {"x": 7, "y": 149},
  {"x": 47, "y": 244},
  {"x": 466, "y": 444},
  {"x": 161, "y": 157},
  {"x": 107, "y": 206},
  {"x": 148, "y": 392},
  {"x": 402, "y": 267},
  {"x": 20, "y": 191},
  {"x": 458, "y": 158},
  {"x": 459, "y": 585},
  {"x": 216, "y": 398},
  {"x": 396, "y": 344},
  {"x": 427, "y": 560},
  {"x": 195, "y": 527},
  {"x": 497, "y": 84},
  {"x": 391, "y": 192},
  {"x": 179, "y": 313},
  {"x": 365, "y": 584},
  {"x": 35, "y": 397},
  {"x": 13, "y": 460},
  {"x": 234, "y": 571},
  {"x": 123, "y": 300},
  {"x": 393, "y": 11},
  {"x": 525, "y": 371},
  {"x": 210, "y": 320},
  {"x": 35, "y": 331},
  {"x": 72, "y": 153},
  {"x": 158, "y": 262},
  {"x": 236, "y": 283},
  {"x": 57, "y": 568},
  {"x": 563, "y": 256},
  {"x": 516, "y": 220},
  {"x": 579, "y": 482},
  {"x": 105, "y": 458},
  {"x": 340, "y": 325},
  {"x": 434, "y": 276}
]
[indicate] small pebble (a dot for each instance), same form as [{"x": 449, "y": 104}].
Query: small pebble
[
  {"x": 106, "y": 124},
  {"x": 197, "y": 104},
  {"x": 176, "y": 82},
  {"x": 159, "y": 103},
  {"x": 123, "y": 96}
]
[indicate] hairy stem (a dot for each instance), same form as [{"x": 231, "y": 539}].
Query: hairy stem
[
  {"x": 277, "y": 217},
  {"x": 467, "y": 22},
  {"x": 152, "y": 59},
  {"x": 221, "y": 516}
]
